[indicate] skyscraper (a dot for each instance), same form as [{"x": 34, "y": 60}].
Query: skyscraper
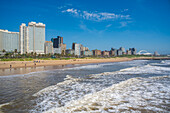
[
  {"x": 133, "y": 51},
  {"x": 9, "y": 41},
  {"x": 48, "y": 47},
  {"x": 96, "y": 52},
  {"x": 77, "y": 49},
  {"x": 122, "y": 49},
  {"x": 57, "y": 41},
  {"x": 36, "y": 34},
  {"x": 23, "y": 40},
  {"x": 32, "y": 38},
  {"x": 58, "y": 45}
]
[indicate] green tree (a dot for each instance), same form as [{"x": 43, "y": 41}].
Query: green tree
[
  {"x": 62, "y": 53},
  {"x": 15, "y": 51},
  {"x": 3, "y": 51}
]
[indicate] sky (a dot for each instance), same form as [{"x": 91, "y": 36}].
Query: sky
[{"x": 97, "y": 24}]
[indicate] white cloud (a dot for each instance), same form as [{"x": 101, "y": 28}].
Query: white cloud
[
  {"x": 109, "y": 25},
  {"x": 124, "y": 23},
  {"x": 96, "y": 16}
]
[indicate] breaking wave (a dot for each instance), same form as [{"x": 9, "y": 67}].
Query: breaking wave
[
  {"x": 132, "y": 95},
  {"x": 120, "y": 91}
]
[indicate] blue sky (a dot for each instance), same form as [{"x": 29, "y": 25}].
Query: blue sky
[{"x": 97, "y": 24}]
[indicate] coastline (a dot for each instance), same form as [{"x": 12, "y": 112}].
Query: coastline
[{"x": 22, "y": 64}]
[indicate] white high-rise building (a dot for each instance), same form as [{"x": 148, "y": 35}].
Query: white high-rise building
[
  {"x": 48, "y": 47},
  {"x": 9, "y": 41},
  {"x": 77, "y": 50},
  {"x": 32, "y": 38},
  {"x": 23, "y": 38}
]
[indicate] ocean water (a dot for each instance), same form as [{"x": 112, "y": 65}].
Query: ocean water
[{"x": 133, "y": 86}]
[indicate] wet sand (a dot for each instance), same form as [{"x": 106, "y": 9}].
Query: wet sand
[
  {"x": 22, "y": 67},
  {"x": 20, "y": 64}
]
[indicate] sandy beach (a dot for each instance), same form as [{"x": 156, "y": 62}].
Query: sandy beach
[{"x": 37, "y": 63}]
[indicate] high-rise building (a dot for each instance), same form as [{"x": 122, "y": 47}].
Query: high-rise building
[
  {"x": 133, "y": 51},
  {"x": 96, "y": 52},
  {"x": 77, "y": 49},
  {"x": 23, "y": 40},
  {"x": 113, "y": 52},
  {"x": 57, "y": 41},
  {"x": 128, "y": 52},
  {"x": 32, "y": 38},
  {"x": 70, "y": 51},
  {"x": 48, "y": 47},
  {"x": 119, "y": 52},
  {"x": 58, "y": 45},
  {"x": 73, "y": 46},
  {"x": 156, "y": 53},
  {"x": 9, "y": 41},
  {"x": 63, "y": 48},
  {"x": 86, "y": 53},
  {"x": 122, "y": 49},
  {"x": 36, "y": 34},
  {"x": 105, "y": 53}
]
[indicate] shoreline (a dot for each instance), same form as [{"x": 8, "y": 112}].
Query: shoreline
[{"x": 22, "y": 64}]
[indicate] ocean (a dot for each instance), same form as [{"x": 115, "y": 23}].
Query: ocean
[{"x": 137, "y": 86}]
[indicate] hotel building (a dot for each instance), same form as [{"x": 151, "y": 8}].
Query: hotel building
[
  {"x": 48, "y": 47},
  {"x": 86, "y": 53},
  {"x": 96, "y": 52},
  {"x": 77, "y": 49},
  {"x": 58, "y": 45},
  {"x": 9, "y": 41},
  {"x": 32, "y": 38},
  {"x": 105, "y": 53}
]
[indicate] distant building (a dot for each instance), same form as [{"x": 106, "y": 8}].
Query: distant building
[
  {"x": 114, "y": 50},
  {"x": 96, "y": 52},
  {"x": 77, "y": 49},
  {"x": 105, "y": 53},
  {"x": 32, "y": 38},
  {"x": 9, "y": 41},
  {"x": 128, "y": 52},
  {"x": 122, "y": 49},
  {"x": 70, "y": 51},
  {"x": 111, "y": 53},
  {"x": 133, "y": 50},
  {"x": 58, "y": 45},
  {"x": 57, "y": 41},
  {"x": 63, "y": 48},
  {"x": 156, "y": 53},
  {"x": 82, "y": 48},
  {"x": 119, "y": 52},
  {"x": 86, "y": 49},
  {"x": 57, "y": 50},
  {"x": 48, "y": 47},
  {"x": 23, "y": 40},
  {"x": 86, "y": 53}
]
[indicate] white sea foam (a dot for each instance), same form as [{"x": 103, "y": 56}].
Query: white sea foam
[
  {"x": 84, "y": 67},
  {"x": 1, "y": 105},
  {"x": 133, "y": 95},
  {"x": 108, "y": 92},
  {"x": 147, "y": 69},
  {"x": 58, "y": 95},
  {"x": 163, "y": 62},
  {"x": 131, "y": 63},
  {"x": 166, "y": 62}
]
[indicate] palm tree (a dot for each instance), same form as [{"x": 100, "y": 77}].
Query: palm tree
[
  {"x": 3, "y": 51},
  {"x": 15, "y": 51},
  {"x": 32, "y": 54}
]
